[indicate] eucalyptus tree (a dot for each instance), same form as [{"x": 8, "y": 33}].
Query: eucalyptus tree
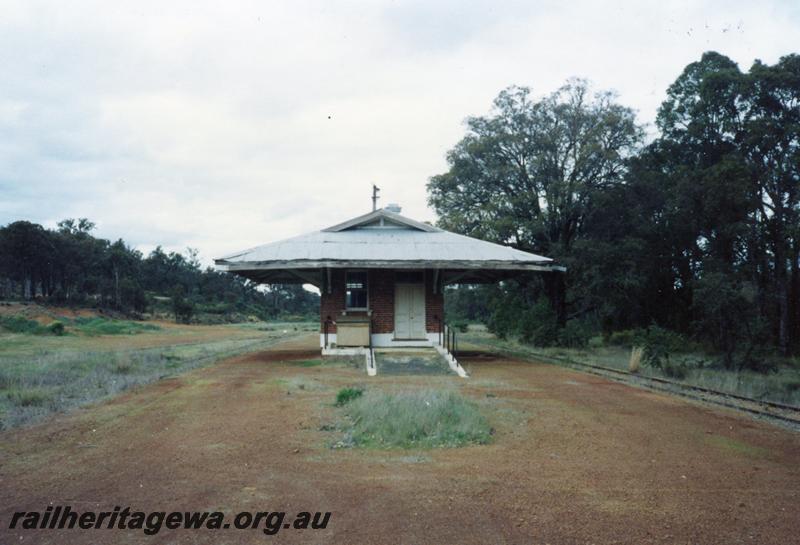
[
  {"x": 736, "y": 138},
  {"x": 772, "y": 145},
  {"x": 527, "y": 173}
]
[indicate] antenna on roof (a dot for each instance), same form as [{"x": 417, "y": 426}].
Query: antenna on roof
[{"x": 375, "y": 197}]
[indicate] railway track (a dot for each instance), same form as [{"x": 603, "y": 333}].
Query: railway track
[
  {"x": 787, "y": 415},
  {"x": 770, "y": 410}
]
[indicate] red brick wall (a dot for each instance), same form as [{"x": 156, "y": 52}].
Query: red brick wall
[
  {"x": 331, "y": 304},
  {"x": 381, "y": 301},
  {"x": 434, "y": 305}
]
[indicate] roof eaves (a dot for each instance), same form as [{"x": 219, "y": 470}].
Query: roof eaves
[{"x": 388, "y": 264}]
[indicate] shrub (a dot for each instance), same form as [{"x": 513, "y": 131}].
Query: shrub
[
  {"x": 132, "y": 295},
  {"x": 182, "y": 307},
  {"x": 426, "y": 418},
  {"x": 596, "y": 341},
  {"x": 761, "y": 359},
  {"x": 20, "y": 324},
  {"x": 575, "y": 334},
  {"x": 461, "y": 325},
  {"x": 504, "y": 321},
  {"x": 538, "y": 325},
  {"x": 627, "y": 337},
  {"x": 56, "y": 328},
  {"x": 727, "y": 316},
  {"x": 214, "y": 308},
  {"x": 660, "y": 344},
  {"x": 346, "y": 395}
]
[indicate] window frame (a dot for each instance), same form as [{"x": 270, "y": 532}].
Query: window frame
[{"x": 365, "y": 288}]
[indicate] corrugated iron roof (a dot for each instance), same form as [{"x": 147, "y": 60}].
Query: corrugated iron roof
[{"x": 381, "y": 238}]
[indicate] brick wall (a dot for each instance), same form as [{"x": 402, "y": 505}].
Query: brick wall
[
  {"x": 434, "y": 305},
  {"x": 332, "y": 304},
  {"x": 381, "y": 301}
]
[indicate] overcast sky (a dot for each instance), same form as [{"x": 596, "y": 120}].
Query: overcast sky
[{"x": 222, "y": 126}]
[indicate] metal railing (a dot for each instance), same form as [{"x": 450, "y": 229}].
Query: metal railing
[{"x": 447, "y": 336}]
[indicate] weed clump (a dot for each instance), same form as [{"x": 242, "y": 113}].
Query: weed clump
[
  {"x": 34, "y": 397},
  {"x": 417, "y": 419},
  {"x": 346, "y": 395},
  {"x": 56, "y": 328},
  {"x": 123, "y": 368}
]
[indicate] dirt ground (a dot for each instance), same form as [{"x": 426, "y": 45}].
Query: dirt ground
[{"x": 575, "y": 459}]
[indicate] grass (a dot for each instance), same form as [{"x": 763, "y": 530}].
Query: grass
[
  {"x": 93, "y": 326},
  {"x": 346, "y": 395},
  {"x": 782, "y": 386},
  {"x": 306, "y": 363},
  {"x": 104, "y": 326},
  {"x": 41, "y": 375},
  {"x": 35, "y": 397},
  {"x": 415, "y": 419},
  {"x": 635, "y": 362}
]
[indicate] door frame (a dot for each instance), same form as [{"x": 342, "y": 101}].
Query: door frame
[{"x": 423, "y": 332}]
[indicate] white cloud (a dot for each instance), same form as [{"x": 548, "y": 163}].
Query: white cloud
[{"x": 225, "y": 125}]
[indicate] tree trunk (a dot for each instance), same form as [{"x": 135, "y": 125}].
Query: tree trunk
[{"x": 782, "y": 294}]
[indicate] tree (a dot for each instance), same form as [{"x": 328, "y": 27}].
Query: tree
[
  {"x": 771, "y": 143},
  {"x": 737, "y": 138},
  {"x": 181, "y": 307},
  {"x": 527, "y": 174},
  {"x": 69, "y": 265},
  {"x": 122, "y": 263},
  {"x": 697, "y": 232},
  {"x": 28, "y": 251}
]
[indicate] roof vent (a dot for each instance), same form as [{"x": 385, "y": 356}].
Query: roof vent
[{"x": 393, "y": 207}]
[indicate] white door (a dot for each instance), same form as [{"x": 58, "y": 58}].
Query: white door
[{"x": 409, "y": 311}]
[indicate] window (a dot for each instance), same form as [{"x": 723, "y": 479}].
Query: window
[{"x": 356, "y": 289}]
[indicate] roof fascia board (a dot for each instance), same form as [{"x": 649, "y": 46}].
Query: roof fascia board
[{"x": 388, "y": 264}]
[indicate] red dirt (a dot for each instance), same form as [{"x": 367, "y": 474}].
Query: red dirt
[{"x": 576, "y": 459}]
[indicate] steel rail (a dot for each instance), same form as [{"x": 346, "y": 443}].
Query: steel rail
[{"x": 725, "y": 399}]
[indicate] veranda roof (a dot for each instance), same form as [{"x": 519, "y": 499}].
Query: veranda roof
[{"x": 382, "y": 239}]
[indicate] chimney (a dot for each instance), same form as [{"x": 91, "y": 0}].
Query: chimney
[{"x": 393, "y": 207}]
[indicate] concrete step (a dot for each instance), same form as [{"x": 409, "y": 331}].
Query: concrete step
[{"x": 410, "y": 361}]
